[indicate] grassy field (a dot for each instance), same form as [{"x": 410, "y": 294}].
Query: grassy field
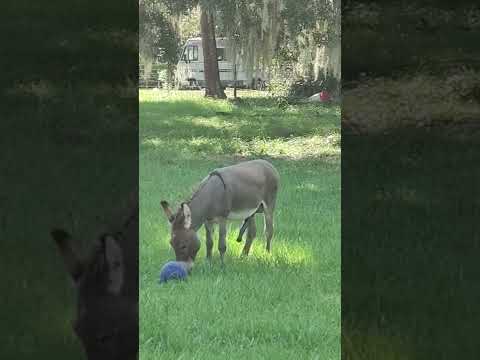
[{"x": 280, "y": 306}]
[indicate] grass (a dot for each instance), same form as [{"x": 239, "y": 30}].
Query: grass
[
  {"x": 45, "y": 178},
  {"x": 410, "y": 250},
  {"x": 282, "y": 305}
]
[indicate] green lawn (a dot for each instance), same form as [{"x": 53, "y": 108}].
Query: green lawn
[{"x": 285, "y": 305}]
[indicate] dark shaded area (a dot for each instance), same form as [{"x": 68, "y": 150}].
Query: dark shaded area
[
  {"x": 410, "y": 208},
  {"x": 410, "y": 243},
  {"x": 395, "y": 37},
  {"x": 69, "y": 156}
]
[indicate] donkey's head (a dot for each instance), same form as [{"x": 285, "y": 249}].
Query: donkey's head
[
  {"x": 184, "y": 239},
  {"x": 106, "y": 319}
]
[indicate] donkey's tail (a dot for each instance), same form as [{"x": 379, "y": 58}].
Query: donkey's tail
[{"x": 243, "y": 228}]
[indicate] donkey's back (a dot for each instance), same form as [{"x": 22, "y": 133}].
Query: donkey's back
[{"x": 250, "y": 184}]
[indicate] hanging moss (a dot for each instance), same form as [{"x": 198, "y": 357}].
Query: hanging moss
[{"x": 252, "y": 28}]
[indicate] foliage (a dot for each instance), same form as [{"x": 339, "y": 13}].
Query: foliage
[
  {"x": 158, "y": 38},
  {"x": 273, "y": 35},
  {"x": 289, "y": 84},
  {"x": 188, "y": 25},
  {"x": 310, "y": 26},
  {"x": 306, "y": 87}
]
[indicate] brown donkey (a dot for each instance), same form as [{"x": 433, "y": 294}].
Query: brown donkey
[{"x": 236, "y": 192}]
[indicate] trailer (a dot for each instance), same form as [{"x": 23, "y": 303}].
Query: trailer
[{"x": 190, "y": 68}]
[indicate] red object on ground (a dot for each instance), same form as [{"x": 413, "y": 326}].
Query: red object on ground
[{"x": 324, "y": 96}]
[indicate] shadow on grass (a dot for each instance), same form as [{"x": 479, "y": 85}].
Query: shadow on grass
[
  {"x": 177, "y": 107},
  {"x": 409, "y": 248},
  {"x": 181, "y": 119}
]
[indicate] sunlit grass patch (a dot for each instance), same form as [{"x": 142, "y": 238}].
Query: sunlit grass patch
[
  {"x": 295, "y": 148},
  {"x": 213, "y": 122},
  {"x": 288, "y": 255}
]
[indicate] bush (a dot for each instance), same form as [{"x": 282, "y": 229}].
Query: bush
[
  {"x": 287, "y": 85},
  {"x": 303, "y": 88},
  {"x": 278, "y": 86}
]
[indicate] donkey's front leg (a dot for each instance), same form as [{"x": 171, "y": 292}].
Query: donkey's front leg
[
  {"x": 209, "y": 239},
  {"x": 222, "y": 234}
]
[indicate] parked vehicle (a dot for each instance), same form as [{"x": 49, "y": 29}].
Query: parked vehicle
[{"x": 190, "y": 68}]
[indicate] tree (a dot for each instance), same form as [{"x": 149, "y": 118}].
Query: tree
[
  {"x": 213, "y": 87},
  {"x": 158, "y": 38},
  {"x": 252, "y": 27},
  {"x": 302, "y": 34},
  {"x": 313, "y": 31},
  {"x": 207, "y": 26}
]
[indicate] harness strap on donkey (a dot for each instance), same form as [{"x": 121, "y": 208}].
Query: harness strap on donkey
[
  {"x": 227, "y": 195},
  {"x": 213, "y": 173},
  {"x": 217, "y": 173}
]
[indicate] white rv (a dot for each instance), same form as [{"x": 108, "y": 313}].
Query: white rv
[{"x": 190, "y": 67}]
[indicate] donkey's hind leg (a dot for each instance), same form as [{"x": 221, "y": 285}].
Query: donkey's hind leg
[
  {"x": 251, "y": 233},
  {"x": 268, "y": 213}
]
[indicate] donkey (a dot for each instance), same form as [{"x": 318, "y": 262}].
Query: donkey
[
  {"x": 106, "y": 285},
  {"x": 236, "y": 192}
]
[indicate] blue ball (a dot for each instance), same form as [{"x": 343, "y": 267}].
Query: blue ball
[{"x": 173, "y": 270}]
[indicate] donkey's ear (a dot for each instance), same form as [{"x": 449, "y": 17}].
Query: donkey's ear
[
  {"x": 64, "y": 244},
  {"x": 167, "y": 210},
  {"x": 187, "y": 216},
  {"x": 114, "y": 260}
]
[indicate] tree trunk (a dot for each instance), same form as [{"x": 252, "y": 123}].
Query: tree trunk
[
  {"x": 234, "y": 74},
  {"x": 213, "y": 87},
  {"x": 235, "y": 81},
  {"x": 170, "y": 81},
  {"x": 328, "y": 56},
  {"x": 333, "y": 65},
  {"x": 318, "y": 63}
]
